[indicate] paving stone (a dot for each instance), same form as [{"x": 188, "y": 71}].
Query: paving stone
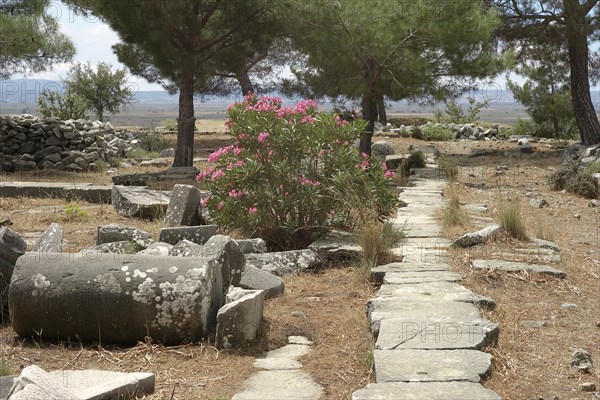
[
  {"x": 437, "y": 291},
  {"x": 400, "y": 278},
  {"x": 379, "y": 272},
  {"x": 278, "y": 385},
  {"x": 285, "y": 357},
  {"x": 510, "y": 266},
  {"x": 431, "y": 365},
  {"x": 409, "y": 308},
  {"x": 425, "y": 391},
  {"x": 425, "y": 256},
  {"x": 436, "y": 333},
  {"x": 106, "y": 385}
]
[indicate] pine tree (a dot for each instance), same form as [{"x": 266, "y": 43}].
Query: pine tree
[{"x": 30, "y": 40}]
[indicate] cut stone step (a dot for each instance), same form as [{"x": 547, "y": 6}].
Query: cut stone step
[
  {"x": 409, "y": 308},
  {"x": 444, "y": 333},
  {"x": 400, "y": 278},
  {"x": 425, "y": 391},
  {"x": 423, "y": 230},
  {"x": 277, "y": 385},
  {"x": 510, "y": 266},
  {"x": 436, "y": 290},
  {"x": 283, "y": 358},
  {"x": 431, "y": 365},
  {"x": 425, "y": 256},
  {"x": 379, "y": 272}
]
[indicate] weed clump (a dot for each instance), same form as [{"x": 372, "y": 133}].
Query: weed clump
[
  {"x": 511, "y": 220},
  {"x": 453, "y": 214},
  {"x": 574, "y": 181}
]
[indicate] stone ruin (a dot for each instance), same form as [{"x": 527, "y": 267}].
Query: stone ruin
[{"x": 28, "y": 143}]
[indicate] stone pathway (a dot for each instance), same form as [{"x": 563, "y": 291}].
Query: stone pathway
[
  {"x": 428, "y": 329},
  {"x": 282, "y": 377}
]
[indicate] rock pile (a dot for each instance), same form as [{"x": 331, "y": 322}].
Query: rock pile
[
  {"x": 461, "y": 131},
  {"x": 28, "y": 143}
]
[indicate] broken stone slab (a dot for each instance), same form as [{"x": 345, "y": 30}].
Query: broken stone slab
[
  {"x": 124, "y": 247},
  {"x": 257, "y": 279},
  {"x": 157, "y": 249},
  {"x": 403, "y": 278},
  {"x": 337, "y": 246},
  {"x": 436, "y": 291},
  {"x": 183, "y": 206},
  {"x": 238, "y": 321},
  {"x": 285, "y": 357},
  {"x": 378, "y": 273},
  {"x": 526, "y": 256},
  {"x": 197, "y": 234},
  {"x": 122, "y": 233},
  {"x": 12, "y": 246},
  {"x": 444, "y": 333},
  {"x": 247, "y": 246},
  {"x": 476, "y": 238},
  {"x": 546, "y": 244},
  {"x": 139, "y": 201},
  {"x": 116, "y": 298},
  {"x": 412, "y": 365},
  {"x": 379, "y": 309},
  {"x": 51, "y": 240},
  {"x": 80, "y": 385},
  {"x": 280, "y": 384},
  {"x": 63, "y": 190},
  {"x": 511, "y": 266},
  {"x": 285, "y": 262},
  {"x": 425, "y": 390},
  {"x": 185, "y": 248},
  {"x": 162, "y": 180}
]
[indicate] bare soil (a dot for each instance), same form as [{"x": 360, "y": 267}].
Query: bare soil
[{"x": 329, "y": 306}]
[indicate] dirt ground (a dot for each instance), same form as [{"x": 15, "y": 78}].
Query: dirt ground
[{"x": 329, "y": 306}]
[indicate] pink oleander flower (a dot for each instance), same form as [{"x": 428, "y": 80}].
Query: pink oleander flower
[
  {"x": 252, "y": 210},
  {"x": 389, "y": 174},
  {"x": 240, "y": 163},
  {"x": 217, "y": 174},
  {"x": 202, "y": 175},
  {"x": 242, "y": 136},
  {"x": 363, "y": 165},
  {"x": 331, "y": 214},
  {"x": 205, "y": 201},
  {"x": 305, "y": 181},
  {"x": 220, "y": 205},
  {"x": 236, "y": 194},
  {"x": 263, "y": 136},
  {"x": 308, "y": 119},
  {"x": 339, "y": 121},
  {"x": 305, "y": 107}
]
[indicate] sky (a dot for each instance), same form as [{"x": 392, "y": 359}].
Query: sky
[{"x": 93, "y": 40}]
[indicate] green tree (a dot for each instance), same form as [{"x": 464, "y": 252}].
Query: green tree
[
  {"x": 371, "y": 50},
  {"x": 30, "y": 40},
  {"x": 177, "y": 40},
  {"x": 102, "y": 89},
  {"x": 577, "y": 23},
  {"x": 64, "y": 106},
  {"x": 547, "y": 92}
]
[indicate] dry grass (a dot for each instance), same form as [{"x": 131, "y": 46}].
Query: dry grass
[
  {"x": 453, "y": 214},
  {"x": 511, "y": 220}
]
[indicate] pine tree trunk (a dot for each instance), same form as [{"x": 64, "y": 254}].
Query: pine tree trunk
[
  {"x": 369, "y": 110},
  {"x": 184, "y": 153},
  {"x": 382, "y": 115},
  {"x": 585, "y": 114},
  {"x": 245, "y": 82}
]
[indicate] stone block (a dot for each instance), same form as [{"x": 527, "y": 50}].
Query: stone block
[
  {"x": 197, "y": 234},
  {"x": 183, "y": 206},
  {"x": 238, "y": 322},
  {"x": 137, "y": 201}
]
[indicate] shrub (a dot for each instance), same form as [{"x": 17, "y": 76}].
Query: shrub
[
  {"x": 560, "y": 178},
  {"x": 152, "y": 141},
  {"x": 416, "y": 132},
  {"x": 73, "y": 212},
  {"x": 170, "y": 124},
  {"x": 436, "y": 133},
  {"x": 584, "y": 185},
  {"x": 593, "y": 168},
  {"x": 285, "y": 176},
  {"x": 456, "y": 115},
  {"x": 64, "y": 106},
  {"x": 4, "y": 368},
  {"x": 451, "y": 169},
  {"x": 511, "y": 219},
  {"x": 522, "y": 128},
  {"x": 376, "y": 240},
  {"x": 406, "y": 121}
]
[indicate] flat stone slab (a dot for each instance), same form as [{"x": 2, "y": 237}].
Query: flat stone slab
[
  {"x": 285, "y": 357},
  {"x": 336, "y": 246},
  {"x": 257, "y": 279},
  {"x": 425, "y": 256},
  {"x": 423, "y": 230},
  {"x": 416, "y": 308},
  {"x": 511, "y": 266},
  {"x": 70, "y": 190},
  {"x": 431, "y": 365},
  {"x": 280, "y": 384},
  {"x": 425, "y": 391},
  {"x": 443, "y": 333},
  {"x": 402, "y": 278},
  {"x": 435, "y": 291},
  {"x": 379, "y": 272}
]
